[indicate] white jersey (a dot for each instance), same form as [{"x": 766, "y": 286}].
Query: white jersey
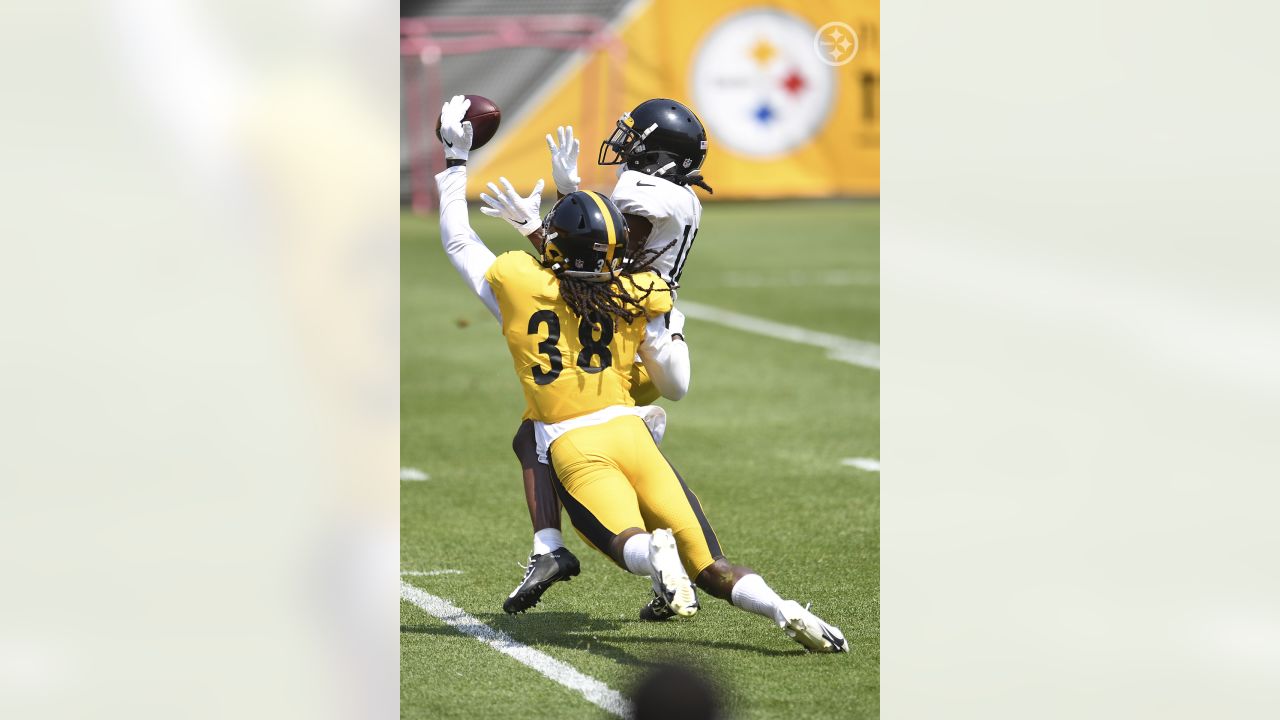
[{"x": 674, "y": 211}]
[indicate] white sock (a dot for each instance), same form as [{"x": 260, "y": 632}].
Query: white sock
[
  {"x": 636, "y": 554},
  {"x": 544, "y": 541},
  {"x": 753, "y": 594}
]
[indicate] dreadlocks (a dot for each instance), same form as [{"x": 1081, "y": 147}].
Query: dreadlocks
[{"x": 601, "y": 301}]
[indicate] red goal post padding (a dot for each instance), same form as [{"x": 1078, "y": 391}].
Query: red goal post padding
[{"x": 426, "y": 41}]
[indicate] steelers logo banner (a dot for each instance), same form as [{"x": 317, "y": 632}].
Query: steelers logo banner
[
  {"x": 758, "y": 84},
  {"x": 789, "y": 92}
]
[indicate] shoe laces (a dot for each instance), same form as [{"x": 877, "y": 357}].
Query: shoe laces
[{"x": 528, "y": 569}]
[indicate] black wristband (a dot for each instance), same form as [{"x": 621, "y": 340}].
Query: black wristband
[
  {"x": 454, "y": 163},
  {"x": 677, "y": 336}
]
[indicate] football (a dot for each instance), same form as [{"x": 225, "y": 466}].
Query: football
[{"x": 484, "y": 117}]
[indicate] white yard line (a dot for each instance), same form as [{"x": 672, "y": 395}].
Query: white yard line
[
  {"x": 868, "y": 464},
  {"x": 428, "y": 573},
  {"x": 593, "y": 690},
  {"x": 855, "y": 352},
  {"x": 409, "y": 473}
]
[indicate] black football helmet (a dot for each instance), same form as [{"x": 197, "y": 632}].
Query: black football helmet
[
  {"x": 585, "y": 237},
  {"x": 659, "y": 137}
]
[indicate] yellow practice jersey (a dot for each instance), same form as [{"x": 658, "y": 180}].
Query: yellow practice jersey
[{"x": 568, "y": 366}]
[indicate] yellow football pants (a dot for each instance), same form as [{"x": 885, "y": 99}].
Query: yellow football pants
[{"x": 613, "y": 477}]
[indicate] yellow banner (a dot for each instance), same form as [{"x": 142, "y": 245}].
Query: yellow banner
[{"x": 789, "y": 92}]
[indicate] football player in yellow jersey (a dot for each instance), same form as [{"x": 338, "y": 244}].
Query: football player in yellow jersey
[
  {"x": 659, "y": 148},
  {"x": 574, "y": 321}
]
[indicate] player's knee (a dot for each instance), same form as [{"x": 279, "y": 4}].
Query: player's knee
[
  {"x": 719, "y": 578},
  {"x": 524, "y": 444}
]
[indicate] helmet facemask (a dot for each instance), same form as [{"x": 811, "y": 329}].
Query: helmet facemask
[{"x": 625, "y": 143}]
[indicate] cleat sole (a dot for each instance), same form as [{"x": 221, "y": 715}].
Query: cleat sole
[{"x": 676, "y": 584}]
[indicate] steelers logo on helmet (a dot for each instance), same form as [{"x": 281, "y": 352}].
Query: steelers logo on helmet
[{"x": 585, "y": 237}]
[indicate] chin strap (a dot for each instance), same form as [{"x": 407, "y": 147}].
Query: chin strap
[{"x": 695, "y": 178}]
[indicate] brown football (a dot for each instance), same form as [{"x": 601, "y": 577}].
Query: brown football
[{"x": 484, "y": 117}]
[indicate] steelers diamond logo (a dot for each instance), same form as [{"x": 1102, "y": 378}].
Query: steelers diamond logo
[
  {"x": 835, "y": 43},
  {"x": 759, "y": 86}
]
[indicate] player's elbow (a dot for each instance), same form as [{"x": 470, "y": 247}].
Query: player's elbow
[
  {"x": 669, "y": 382},
  {"x": 675, "y": 382},
  {"x": 452, "y": 242},
  {"x": 677, "y": 391},
  {"x": 668, "y": 368},
  {"x": 447, "y": 239}
]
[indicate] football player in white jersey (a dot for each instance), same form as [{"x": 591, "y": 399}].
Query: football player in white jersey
[{"x": 660, "y": 147}]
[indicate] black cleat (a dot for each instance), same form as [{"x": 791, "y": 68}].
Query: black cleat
[
  {"x": 541, "y": 572},
  {"x": 658, "y": 610}
]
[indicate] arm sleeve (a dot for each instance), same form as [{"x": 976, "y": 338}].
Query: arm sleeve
[
  {"x": 667, "y": 359},
  {"x": 469, "y": 255}
]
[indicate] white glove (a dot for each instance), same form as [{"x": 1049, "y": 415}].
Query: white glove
[
  {"x": 454, "y": 133},
  {"x": 564, "y": 160},
  {"x": 520, "y": 212},
  {"x": 675, "y": 322}
]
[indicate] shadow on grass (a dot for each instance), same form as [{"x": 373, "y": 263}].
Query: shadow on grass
[{"x": 597, "y": 635}]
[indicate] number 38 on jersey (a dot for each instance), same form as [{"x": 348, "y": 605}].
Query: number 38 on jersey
[
  {"x": 593, "y": 335},
  {"x": 567, "y": 365}
]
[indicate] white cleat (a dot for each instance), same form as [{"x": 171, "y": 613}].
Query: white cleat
[
  {"x": 670, "y": 581},
  {"x": 809, "y": 630}
]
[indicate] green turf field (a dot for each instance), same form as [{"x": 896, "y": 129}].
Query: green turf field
[{"x": 760, "y": 438}]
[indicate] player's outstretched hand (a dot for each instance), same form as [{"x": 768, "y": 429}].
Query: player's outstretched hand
[
  {"x": 454, "y": 132},
  {"x": 520, "y": 212},
  {"x": 564, "y": 160}
]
